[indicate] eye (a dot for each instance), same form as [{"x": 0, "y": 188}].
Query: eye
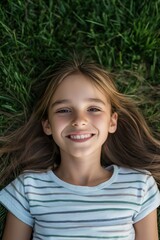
[
  {"x": 94, "y": 109},
  {"x": 63, "y": 110}
]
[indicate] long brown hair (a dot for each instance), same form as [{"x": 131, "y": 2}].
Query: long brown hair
[{"x": 132, "y": 145}]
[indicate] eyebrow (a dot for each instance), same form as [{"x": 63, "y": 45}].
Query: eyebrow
[{"x": 61, "y": 101}]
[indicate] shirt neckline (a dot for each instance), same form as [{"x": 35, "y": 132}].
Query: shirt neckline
[{"x": 86, "y": 189}]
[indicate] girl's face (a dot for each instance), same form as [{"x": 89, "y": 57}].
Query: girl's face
[{"x": 79, "y": 117}]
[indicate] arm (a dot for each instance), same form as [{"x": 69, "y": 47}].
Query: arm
[
  {"x": 16, "y": 229},
  {"x": 146, "y": 229}
]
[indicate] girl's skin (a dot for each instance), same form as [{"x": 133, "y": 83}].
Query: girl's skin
[{"x": 79, "y": 119}]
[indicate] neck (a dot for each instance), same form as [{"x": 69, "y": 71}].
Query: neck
[{"x": 83, "y": 172}]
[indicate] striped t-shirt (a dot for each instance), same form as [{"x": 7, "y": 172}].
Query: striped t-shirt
[{"x": 62, "y": 211}]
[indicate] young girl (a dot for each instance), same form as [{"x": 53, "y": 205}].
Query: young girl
[{"x": 85, "y": 160}]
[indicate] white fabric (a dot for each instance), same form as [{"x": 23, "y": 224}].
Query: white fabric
[{"x": 59, "y": 210}]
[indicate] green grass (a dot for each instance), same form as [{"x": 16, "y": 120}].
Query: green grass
[{"x": 122, "y": 35}]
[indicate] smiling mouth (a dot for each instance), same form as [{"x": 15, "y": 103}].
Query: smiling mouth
[{"x": 80, "y": 137}]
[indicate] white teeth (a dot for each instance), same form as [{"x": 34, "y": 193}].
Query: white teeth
[{"x": 83, "y": 136}]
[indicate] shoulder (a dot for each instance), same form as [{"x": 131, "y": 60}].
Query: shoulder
[
  {"x": 133, "y": 174},
  {"x": 28, "y": 179},
  {"x": 37, "y": 177},
  {"x": 140, "y": 181}
]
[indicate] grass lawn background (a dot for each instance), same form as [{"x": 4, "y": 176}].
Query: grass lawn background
[{"x": 124, "y": 36}]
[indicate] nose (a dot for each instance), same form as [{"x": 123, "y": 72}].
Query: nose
[{"x": 79, "y": 120}]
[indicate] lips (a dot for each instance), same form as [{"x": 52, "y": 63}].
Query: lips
[{"x": 80, "y": 137}]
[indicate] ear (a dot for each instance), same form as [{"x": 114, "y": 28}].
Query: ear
[
  {"x": 46, "y": 127},
  {"x": 113, "y": 123}
]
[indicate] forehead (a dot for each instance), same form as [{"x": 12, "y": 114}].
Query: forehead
[{"x": 78, "y": 86}]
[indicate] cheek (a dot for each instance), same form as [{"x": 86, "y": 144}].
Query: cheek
[
  {"x": 58, "y": 125},
  {"x": 100, "y": 121},
  {"x": 102, "y": 125}
]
